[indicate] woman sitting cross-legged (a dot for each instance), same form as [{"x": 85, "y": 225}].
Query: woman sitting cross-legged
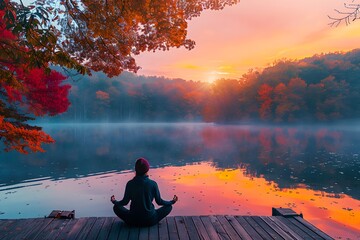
[{"x": 141, "y": 191}]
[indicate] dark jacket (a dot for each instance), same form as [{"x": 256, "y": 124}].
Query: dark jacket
[{"x": 141, "y": 191}]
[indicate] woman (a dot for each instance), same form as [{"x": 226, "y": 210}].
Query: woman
[{"x": 141, "y": 191}]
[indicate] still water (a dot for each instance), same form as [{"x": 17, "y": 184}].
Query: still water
[{"x": 214, "y": 169}]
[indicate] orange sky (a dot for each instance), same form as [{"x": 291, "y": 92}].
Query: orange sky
[{"x": 253, "y": 34}]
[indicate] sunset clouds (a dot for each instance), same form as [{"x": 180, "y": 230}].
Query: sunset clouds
[{"x": 253, "y": 34}]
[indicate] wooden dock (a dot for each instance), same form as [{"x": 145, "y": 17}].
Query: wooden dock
[{"x": 283, "y": 225}]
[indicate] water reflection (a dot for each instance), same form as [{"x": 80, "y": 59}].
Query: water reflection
[
  {"x": 202, "y": 188},
  {"x": 320, "y": 158}
]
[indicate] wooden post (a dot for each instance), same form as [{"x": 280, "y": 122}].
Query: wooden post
[
  {"x": 62, "y": 214},
  {"x": 285, "y": 212}
]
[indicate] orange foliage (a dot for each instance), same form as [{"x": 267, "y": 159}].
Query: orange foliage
[
  {"x": 109, "y": 33},
  {"x": 26, "y": 87},
  {"x": 265, "y": 96},
  {"x": 20, "y": 138}
]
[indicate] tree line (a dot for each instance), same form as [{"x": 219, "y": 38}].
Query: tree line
[{"x": 321, "y": 88}]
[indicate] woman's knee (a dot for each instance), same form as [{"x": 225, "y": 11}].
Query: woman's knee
[
  {"x": 121, "y": 212},
  {"x": 117, "y": 211},
  {"x": 163, "y": 212}
]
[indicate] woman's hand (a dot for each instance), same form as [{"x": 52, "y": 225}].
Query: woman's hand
[
  {"x": 112, "y": 199},
  {"x": 175, "y": 199}
]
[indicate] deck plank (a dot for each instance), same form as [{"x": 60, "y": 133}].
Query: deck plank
[
  {"x": 19, "y": 229},
  {"x": 53, "y": 229},
  {"x": 305, "y": 229},
  {"x": 12, "y": 228},
  {"x": 33, "y": 226},
  {"x": 228, "y": 228},
  {"x": 313, "y": 228},
  {"x": 200, "y": 228},
  {"x": 85, "y": 229},
  {"x": 124, "y": 232},
  {"x": 190, "y": 226},
  {"x": 276, "y": 228},
  {"x": 181, "y": 228},
  {"x": 219, "y": 228},
  {"x": 154, "y": 232},
  {"x": 95, "y": 229},
  {"x": 134, "y": 233},
  {"x": 163, "y": 230},
  {"x": 105, "y": 229},
  {"x": 249, "y": 229},
  {"x": 210, "y": 228},
  {"x": 295, "y": 228},
  {"x": 286, "y": 228},
  {"x": 266, "y": 227},
  {"x": 238, "y": 228},
  {"x": 71, "y": 230},
  {"x": 56, "y": 231},
  {"x": 174, "y": 227},
  {"x": 173, "y": 233},
  {"x": 264, "y": 235},
  {"x": 2, "y": 222},
  {"x": 115, "y": 229},
  {"x": 6, "y": 225},
  {"x": 38, "y": 228},
  {"x": 144, "y": 233}
]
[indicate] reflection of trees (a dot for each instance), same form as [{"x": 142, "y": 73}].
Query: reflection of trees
[{"x": 322, "y": 158}]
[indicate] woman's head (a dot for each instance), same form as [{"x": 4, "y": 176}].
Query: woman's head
[{"x": 142, "y": 166}]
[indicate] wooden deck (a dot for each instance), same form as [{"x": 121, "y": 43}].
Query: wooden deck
[{"x": 180, "y": 227}]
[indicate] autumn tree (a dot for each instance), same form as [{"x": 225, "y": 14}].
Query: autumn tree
[
  {"x": 333, "y": 102},
  {"x": 25, "y": 88},
  {"x": 105, "y": 35},
  {"x": 78, "y": 35},
  {"x": 265, "y": 93},
  {"x": 297, "y": 89},
  {"x": 281, "y": 102}
]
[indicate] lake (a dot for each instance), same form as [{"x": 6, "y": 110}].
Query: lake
[{"x": 214, "y": 169}]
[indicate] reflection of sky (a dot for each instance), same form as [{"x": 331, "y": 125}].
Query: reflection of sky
[
  {"x": 323, "y": 158},
  {"x": 202, "y": 188}
]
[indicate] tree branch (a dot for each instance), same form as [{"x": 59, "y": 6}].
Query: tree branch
[{"x": 348, "y": 16}]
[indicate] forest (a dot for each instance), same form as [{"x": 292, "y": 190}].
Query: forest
[
  {"x": 321, "y": 88},
  {"x": 72, "y": 36}
]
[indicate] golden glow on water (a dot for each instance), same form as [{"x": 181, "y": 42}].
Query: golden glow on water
[{"x": 203, "y": 189}]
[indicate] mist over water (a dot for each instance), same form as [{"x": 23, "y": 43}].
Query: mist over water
[{"x": 322, "y": 159}]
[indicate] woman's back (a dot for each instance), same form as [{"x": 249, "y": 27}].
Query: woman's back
[{"x": 141, "y": 191}]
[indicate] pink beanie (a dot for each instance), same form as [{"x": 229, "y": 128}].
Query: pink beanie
[{"x": 142, "y": 166}]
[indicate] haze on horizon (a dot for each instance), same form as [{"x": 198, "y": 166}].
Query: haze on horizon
[{"x": 253, "y": 34}]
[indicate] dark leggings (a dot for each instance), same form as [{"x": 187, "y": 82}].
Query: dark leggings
[{"x": 136, "y": 220}]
